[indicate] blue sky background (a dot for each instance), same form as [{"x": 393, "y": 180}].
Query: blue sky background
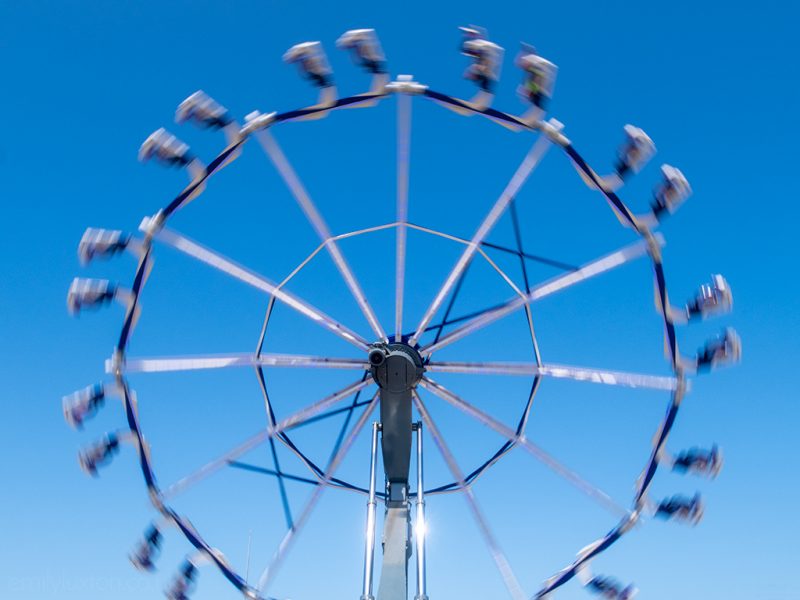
[{"x": 714, "y": 84}]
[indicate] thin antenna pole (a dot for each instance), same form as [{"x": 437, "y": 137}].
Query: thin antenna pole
[{"x": 247, "y": 568}]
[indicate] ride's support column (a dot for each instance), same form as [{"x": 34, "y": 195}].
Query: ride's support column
[
  {"x": 396, "y": 552},
  {"x": 420, "y": 525},
  {"x": 369, "y": 549},
  {"x": 397, "y": 369}
]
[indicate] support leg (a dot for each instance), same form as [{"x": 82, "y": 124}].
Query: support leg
[
  {"x": 369, "y": 550},
  {"x": 420, "y": 525}
]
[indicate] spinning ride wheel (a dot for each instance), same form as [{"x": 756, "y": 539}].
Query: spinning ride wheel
[{"x": 395, "y": 364}]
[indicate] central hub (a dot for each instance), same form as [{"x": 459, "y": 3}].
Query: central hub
[{"x": 396, "y": 368}]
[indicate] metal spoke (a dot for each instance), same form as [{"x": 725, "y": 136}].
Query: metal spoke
[
  {"x": 532, "y": 257},
  {"x": 343, "y": 429},
  {"x": 277, "y": 474},
  {"x": 263, "y": 334},
  {"x": 260, "y": 282},
  {"x": 295, "y": 185},
  {"x": 403, "y": 151},
  {"x": 333, "y": 412},
  {"x": 244, "y": 359},
  {"x": 262, "y": 383},
  {"x": 479, "y": 250},
  {"x": 634, "y": 380},
  {"x": 519, "y": 438},
  {"x": 294, "y": 420},
  {"x": 450, "y": 304},
  {"x": 528, "y": 316},
  {"x": 284, "y": 439},
  {"x": 524, "y": 171},
  {"x": 336, "y": 461},
  {"x": 556, "y": 284},
  {"x": 499, "y": 558},
  {"x": 504, "y": 449}
]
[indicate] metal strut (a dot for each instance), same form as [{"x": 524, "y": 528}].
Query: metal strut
[
  {"x": 369, "y": 548},
  {"x": 420, "y": 526}
]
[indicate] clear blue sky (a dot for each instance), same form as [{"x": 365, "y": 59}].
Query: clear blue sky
[{"x": 714, "y": 84}]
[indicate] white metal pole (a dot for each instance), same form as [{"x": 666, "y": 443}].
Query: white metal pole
[
  {"x": 403, "y": 145},
  {"x": 421, "y": 523},
  {"x": 369, "y": 549}
]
